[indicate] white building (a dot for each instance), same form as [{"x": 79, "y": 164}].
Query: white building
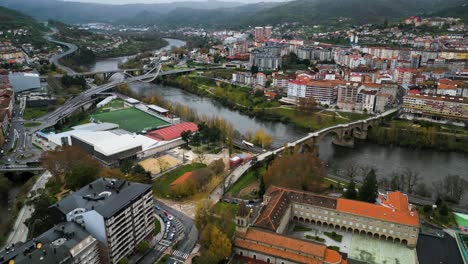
[
  {"x": 297, "y": 89},
  {"x": 118, "y": 213}
]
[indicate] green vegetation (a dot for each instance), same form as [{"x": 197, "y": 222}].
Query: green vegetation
[
  {"x": 136, "y": 44},
  {"x": 315, "y": 238},
  {"x": 163, "y": 259},
  {"x": 421, "y": 135},
  {"x": 242, "y": 98},
  {"x": 143, "y": 246},
  {"x": 131, "y": 119},
  {"x": 32, "y": 124},
  {"x": 7, "y": 224},
  {"x": 334, "y": 236},
  {"x": 223, "y": 208},
  {"x": 246, "y": 179},
  {"x": 157, "y": 227},
  {"x": 334, "y": 248},
  {"x": 300, "y": 228},
  {"x": 36, "y": 112},
  {"x": 76, "y": 60},
  {"x": 315, "y": 120},
  {"x": 161, "y": 184}
]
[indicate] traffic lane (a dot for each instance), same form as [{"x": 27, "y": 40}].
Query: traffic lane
[{"x": 190, "y": 230}]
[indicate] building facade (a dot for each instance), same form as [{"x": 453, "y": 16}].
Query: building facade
[
  {"x": 436, "y": 107},
  {"x": 119, "y": 214}
]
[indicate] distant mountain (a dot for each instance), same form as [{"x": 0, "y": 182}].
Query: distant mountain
[
  {"x": 357, "y": 11},
  {"x": 77, "y": 12},
  {"x": 460, "y": 11},
  {"x": 11, "y": 19},
  {"x": 221, "y": 17},
  {"x": 217, "y": 14}
]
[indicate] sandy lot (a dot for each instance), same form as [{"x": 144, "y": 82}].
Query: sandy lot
[{"x": 153, "y": 165}]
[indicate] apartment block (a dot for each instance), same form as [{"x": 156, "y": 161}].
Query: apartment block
[
  {"x": 66, "y": 242},
  {"x": 436, "y": 107},
  {"x": 118, "y": 213}
]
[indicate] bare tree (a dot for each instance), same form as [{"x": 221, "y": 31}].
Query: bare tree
[
  {"x": 454, "y": 186},
  {"x": 411, "y": 179},
  {"x": 351, "y": 170}
]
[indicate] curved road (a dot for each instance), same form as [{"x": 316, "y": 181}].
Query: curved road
[{"x": 55, "y": 58}]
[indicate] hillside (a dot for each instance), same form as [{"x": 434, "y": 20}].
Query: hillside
[
  {"x": 460, "y": 11},
  {"x": 77, "y": 12},
  {"x": 11, "y": 19},
  {"x": 357, "y": 11},
  {"x": 308, "y": 12}
]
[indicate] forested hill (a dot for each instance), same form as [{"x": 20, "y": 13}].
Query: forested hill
[
  {"x": 11, "y": 19},
  {"x": 308, "y": 12}
]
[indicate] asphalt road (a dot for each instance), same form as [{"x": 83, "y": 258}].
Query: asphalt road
[{"x": 186, "y": 244}]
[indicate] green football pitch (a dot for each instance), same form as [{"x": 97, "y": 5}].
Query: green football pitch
[{"x": 131, "y": 119}]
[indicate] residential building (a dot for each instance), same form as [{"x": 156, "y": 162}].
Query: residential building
[
  {"x": 281, "y": 81},
  {"x": 118, "y": 213},
  {"x": 259, "y": 34},
  {"x": 243, "y": 78},
  {"x": 261, "y": 79},
  {"x": 267, "y": 32},
  {"x": 324, "y": 92},
  {"x": 297, "y": 89},
  {"x": 404, "y": 75},
  {"x": 436, "y": 107},
  {"x": 348, "y": 98},
  {"x": 265, "y": 59},
  {"x": 66, "y": 243}
]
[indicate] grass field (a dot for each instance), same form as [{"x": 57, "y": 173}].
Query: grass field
[
  {"x": 161, "y": 184},
  {"x": 132, "y": 120}
]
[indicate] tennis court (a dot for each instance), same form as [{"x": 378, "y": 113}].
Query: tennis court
[{"x": 131, "y": 119}]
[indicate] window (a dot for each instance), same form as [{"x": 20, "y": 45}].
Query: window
[
  {"x": 268, "y": 260},
  {"x": 241, "y": 253},
  {"x": 254, "y": 256}
]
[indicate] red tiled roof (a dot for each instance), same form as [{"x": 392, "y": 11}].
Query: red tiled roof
[
  {"x": 394, "y": 209},
  {"x": 172, "y": 132}
]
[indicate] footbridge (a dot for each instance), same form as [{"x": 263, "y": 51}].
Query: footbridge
[{"x": 343, "y": 135}]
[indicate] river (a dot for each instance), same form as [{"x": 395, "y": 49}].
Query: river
[{"x": 432, "y": 165}]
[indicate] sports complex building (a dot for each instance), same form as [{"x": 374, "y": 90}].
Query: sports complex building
[{"x": 124, "y": 129}]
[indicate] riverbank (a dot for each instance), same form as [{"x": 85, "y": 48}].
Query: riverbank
[
  {"x": 254, "y": 103},
  {"x": 420, "y": 135}
]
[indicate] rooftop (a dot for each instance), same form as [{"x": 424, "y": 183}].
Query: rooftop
[
  {"x": 299, "y": 251},
  {"x": 172, "y": 132},
  {"x": 57, "y": 245},
  {"x": 105, "y": 196}
]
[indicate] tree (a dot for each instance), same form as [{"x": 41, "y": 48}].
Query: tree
[
  {"x": 126, "y": 166},
  {"x": 5, "y": 185},
  {"x": 220, "y": 246},
  {"x": 304, "y": 171},
  {"x": 186, "y": 135},
  {"x": 411, "y": 179},
  {"x": 139, "y": 170},
  {"x": 351, "y": 170},
  {"x": 41, "y": 218},
  {"x": 202, "y": 213},
  {"x": 263, "y": 139},
  {"x": 369, "y": 189},
  {"x": 61, "y": 160},
  {"x": 453, "y": 187},
  {"x": 351, "y": 192},
  {"x": 143, "y": 246},
  {"x": 217, "y": 166},
  {"x": 306, "y": 104},
  {"x": 81, "y": 175}
]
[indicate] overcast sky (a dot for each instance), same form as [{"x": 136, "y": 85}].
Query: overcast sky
[{"x": 119, "y": 2}]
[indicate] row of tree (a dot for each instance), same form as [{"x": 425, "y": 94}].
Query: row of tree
[
  {"x": 418, "y": 138},
  {"x": 450, "y": 188}
]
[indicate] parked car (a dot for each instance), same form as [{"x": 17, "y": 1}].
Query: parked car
[
  {"x": 170, "y": 217},
  {"x": 157, "y": 207},
  {"x": 171, "y": 236}
]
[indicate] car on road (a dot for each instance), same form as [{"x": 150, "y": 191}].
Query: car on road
[
  {"x": 157, "y": 207},
  {"x": 171, "y": 236},
  {"x": 170, "y": 217},
  {"x": 9, "y": 160}
]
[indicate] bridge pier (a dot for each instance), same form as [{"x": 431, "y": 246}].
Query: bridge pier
[
  {"x": 361, "y": 134},
  {"x": 344, "y": 142}
]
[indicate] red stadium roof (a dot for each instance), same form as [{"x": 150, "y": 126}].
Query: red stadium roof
[{"x": 172, "y": 132}]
